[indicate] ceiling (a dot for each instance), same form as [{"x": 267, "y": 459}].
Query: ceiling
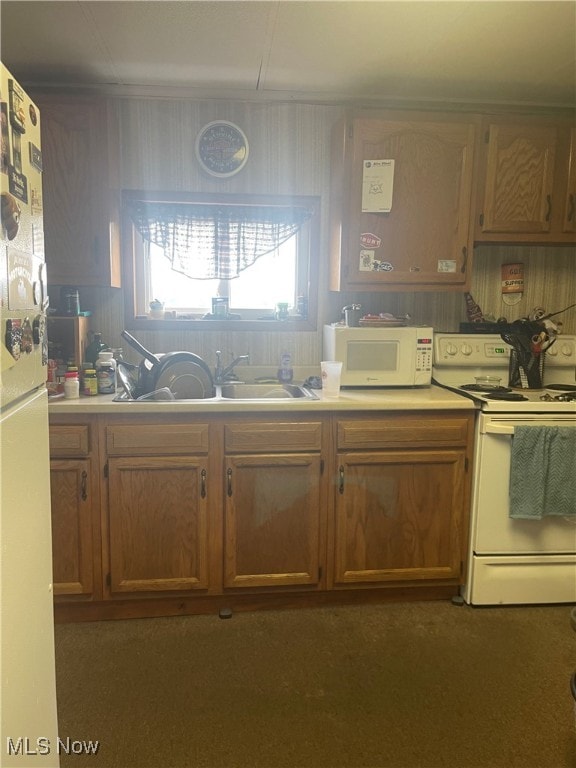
[{"x": 489, "y": 52}]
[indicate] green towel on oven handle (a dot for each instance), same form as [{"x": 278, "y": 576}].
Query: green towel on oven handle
[{"x": 543, "y": 472}]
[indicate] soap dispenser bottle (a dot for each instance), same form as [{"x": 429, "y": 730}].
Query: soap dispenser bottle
[{"x": 285, "y": 371}]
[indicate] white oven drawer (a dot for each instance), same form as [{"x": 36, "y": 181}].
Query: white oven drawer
[{"x": 522, "y": 579}]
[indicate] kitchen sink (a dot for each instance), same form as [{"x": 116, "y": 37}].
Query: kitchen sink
[
  {"x": 240, "y": 391},
  {"x": 265, "y": 392}
]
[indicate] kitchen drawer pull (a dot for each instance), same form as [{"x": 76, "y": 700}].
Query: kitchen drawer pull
[
  {"x": 548, "y": 207},
  {"x": 83, "y": 486},
  {"x": 571, "y": 207},
  {"x": 464, "y": 260},
  {"x": 229, "y": 482},
  {"x": 203, "y": 484}
]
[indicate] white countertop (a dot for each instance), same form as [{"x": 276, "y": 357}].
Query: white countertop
[{"x": 403, "y": 399}]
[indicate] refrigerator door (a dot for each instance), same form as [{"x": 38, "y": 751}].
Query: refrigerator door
[
  {"x": 23, "y": 299},
  {"x": 28, "y": 733},
  {"x": 28, "y": 691}
]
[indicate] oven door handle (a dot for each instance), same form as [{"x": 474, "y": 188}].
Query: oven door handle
[{"x": 498, "y": 429}]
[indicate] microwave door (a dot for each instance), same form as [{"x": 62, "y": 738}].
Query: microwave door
[{"x": 366, "y": 356}]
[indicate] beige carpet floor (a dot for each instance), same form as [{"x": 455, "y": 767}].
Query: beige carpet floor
[{"x": 417, "y": 685}]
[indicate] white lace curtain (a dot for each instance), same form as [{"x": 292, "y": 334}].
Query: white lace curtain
[{"x": 207, "y": 241}]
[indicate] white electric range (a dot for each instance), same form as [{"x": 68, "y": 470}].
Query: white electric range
[
  {"x": 511, "y": 561},
  {"x": 459, "y": 358}
]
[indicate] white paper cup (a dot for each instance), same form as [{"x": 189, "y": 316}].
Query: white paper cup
[{"x": 331, "y": 373}]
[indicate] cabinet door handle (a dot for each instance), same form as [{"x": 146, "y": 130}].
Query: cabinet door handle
[
  {"x": 464, "y": 260},
  {"x": 341, "y": 479},
  {"x": 84, "y": 486},
  {"x": 548, "y": 207},
  {"x": 571, "y": 206},
  {"x": 229, "y": 483},
  {"x": 203, "y": 484}
]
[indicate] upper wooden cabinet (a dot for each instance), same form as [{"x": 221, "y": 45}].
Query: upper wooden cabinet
[
  {"x": 425, "y": 241},
  {"x": 81, "y": 211},
  {"x": 527, "y": 181},
  {"x": 569, "y": 219}
]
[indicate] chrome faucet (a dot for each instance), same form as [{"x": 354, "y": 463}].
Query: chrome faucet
[{"x": 220, "y": 373}]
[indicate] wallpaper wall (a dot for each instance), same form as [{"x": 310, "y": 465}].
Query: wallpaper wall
[{"x": 289, "y": 154}]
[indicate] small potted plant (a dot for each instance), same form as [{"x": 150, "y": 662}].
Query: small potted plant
[{"x": 156, "y": 309}]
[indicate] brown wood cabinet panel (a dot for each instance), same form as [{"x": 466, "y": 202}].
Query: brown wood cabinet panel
[
  {"x": 569, "y": 223},
  {"x": 399, "y": 516},
  {"x": 526, "y": 181},
  {"x": 425, "y": 241},
  {"x": 519, "y": 178},
  {"x": 69, "y": 440},
  {"x": 251, "y": 437},
  {"x": 72, "y": 504},
  {"x": 406, "y": 431},
  {"x": 71, "y": 333},
  {"x": 157, "y": 524},
  {"x": 272, "y": 523},
  {"x": 81, "y": 211},
  {"x": 157, "y": 439}
]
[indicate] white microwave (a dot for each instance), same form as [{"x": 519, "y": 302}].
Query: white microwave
[{"x": 381, "y": 357}]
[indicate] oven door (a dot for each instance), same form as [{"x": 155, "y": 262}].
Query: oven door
[
  {"x": 494, "y": 532},
  {"x": 515, "y": 561}
]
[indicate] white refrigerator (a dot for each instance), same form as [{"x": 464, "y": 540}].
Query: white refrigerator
[{"x": 29, "y": 735}]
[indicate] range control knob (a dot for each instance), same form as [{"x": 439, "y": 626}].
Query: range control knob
[
  {"x": 451, "y": 349},
  {"x": 466, "y": 349},
  {"x": 566, "y": 350}
]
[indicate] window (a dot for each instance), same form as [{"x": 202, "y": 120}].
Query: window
[{"x": 221, "y": 259}]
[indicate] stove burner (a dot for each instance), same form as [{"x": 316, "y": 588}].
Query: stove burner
[
  {"x": 480, "y": 389},
  {"x": 567, "y": 397},
  {"x": 511, "y": 396},
  {"x": 562, "y": 387}
]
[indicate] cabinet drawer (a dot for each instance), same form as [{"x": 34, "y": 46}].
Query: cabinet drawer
[
  {"x": 156, "y": 440},
  {"x": 273, "y": 436},
  {"x": 403, "y": 432},
  {"x": 69, "y": 440}
]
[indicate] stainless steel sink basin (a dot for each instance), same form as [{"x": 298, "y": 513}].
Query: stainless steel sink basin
[
  {"x": 265, "y": 392},
  {"x": 238, "y": 392}
]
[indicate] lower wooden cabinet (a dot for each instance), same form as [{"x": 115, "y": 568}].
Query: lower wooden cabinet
[
  {"x": 272, "y": 520},
  {"x": 156, "y": 517},
  {"x": 71, "y": 498},
  {"x": 273, "y": 503},
  {"x": 75, "y": 503},
  {"x": 157, "y": 524},
  {"x": 245, "y": 508},
  {"x": 402, "y": 499},
  {"x": 399, "y": 516}
]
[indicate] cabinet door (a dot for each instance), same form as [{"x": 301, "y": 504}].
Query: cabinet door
[
  {"x": 80, "y": 216},
  {"x": 72, "y": 515},
  {"x": 272, "y": 520},
  {"x": 399, "y": 516},
  {"x": 424, "y": 241},
  {"x": 519, "y": 178},
  {"x": 570, "y": 206},
  {"x": 157, "y": 524}
]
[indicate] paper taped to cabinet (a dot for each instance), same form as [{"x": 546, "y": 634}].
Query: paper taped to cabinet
[{"x": 377, "y": 186}]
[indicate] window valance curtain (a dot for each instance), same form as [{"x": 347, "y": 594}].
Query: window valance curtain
[{"x": 215, "y": 241}]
